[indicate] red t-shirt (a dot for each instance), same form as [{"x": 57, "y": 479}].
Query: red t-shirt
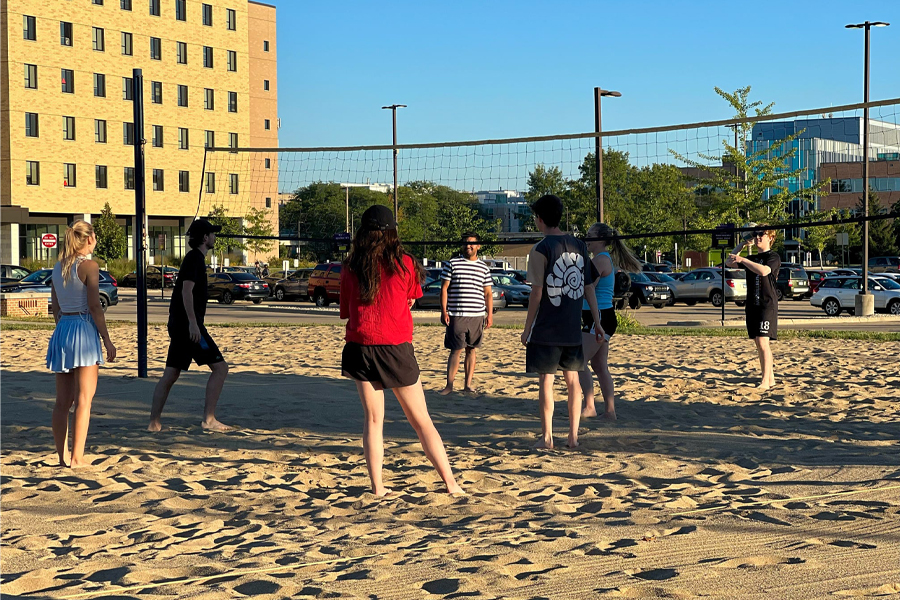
[{"x": 388, "y": 320}]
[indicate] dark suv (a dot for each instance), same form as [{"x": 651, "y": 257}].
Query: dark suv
[
  {"x": 646, "y": 291},
  {"x": 793, "y": 282},
  {"x": 325, "y": 284}
]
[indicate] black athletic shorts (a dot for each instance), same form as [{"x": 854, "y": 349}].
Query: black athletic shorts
[
  {"x": 607, "y": 320},
  {"x": 464, "y": 332},
  {"x": 762, "y": 322},
  {"x": 182, "y": 350},
  {"x": 547, "y": 360},
  {"x": 391, "y": 366}
]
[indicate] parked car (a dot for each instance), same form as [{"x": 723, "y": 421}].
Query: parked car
[
  {"x": 847, "y": 272},
  {"x": 656, "y": 268},
  {"x": 228, "y": 287},
  {"x": 295, "y": 285},
  {"x": 431, "y": 296},
  {"x": 676, "y": 276},
  {"x": 153, "y": 275},
  {"x": 520, "y": 276},
  {"x": 433, "y": 274},
  {"x": 792, "y": 282},
  {"x": 815, "y": 280},
  {"x": 838, "y": 294},
  {"x": 10, "y": 273},
  {"x": 705, "y": 284},
  {"x": 515, "y": 292},
  {"x": 884, "y": 264},
  {"x": 276, "y": 276},
  {"x": 40, "y": 281},
  {"x": 645, "y": 291},
  {"x": 324, "y": 285},
  {"x": 665, "y": 279}
]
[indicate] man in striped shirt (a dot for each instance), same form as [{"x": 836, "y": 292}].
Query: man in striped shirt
[{"x": 467, "y": 307}]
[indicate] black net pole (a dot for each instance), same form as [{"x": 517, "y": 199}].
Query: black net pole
[{"x": 140, "y": 217}]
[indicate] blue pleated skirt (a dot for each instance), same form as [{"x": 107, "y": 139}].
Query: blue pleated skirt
[{"x": 75, "y": 343}]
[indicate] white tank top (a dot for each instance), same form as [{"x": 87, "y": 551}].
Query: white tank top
[{"x": 72, "y": 293}]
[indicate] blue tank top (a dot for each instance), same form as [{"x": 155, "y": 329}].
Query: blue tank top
[{"x": 604, "y": 289}]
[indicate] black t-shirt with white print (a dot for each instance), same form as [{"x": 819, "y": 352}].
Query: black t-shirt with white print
[
  {"x": 761, "y": 291},
  {"x": 193, "y": 268}
]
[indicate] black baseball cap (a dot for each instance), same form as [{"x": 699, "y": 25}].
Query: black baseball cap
[
  {"x": 378, "y": 217},
  {"x": 201, "y": 227}
]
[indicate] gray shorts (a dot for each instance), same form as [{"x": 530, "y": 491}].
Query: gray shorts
[{"x": 464, "y": 332}]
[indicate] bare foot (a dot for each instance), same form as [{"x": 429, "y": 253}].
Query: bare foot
[
  {"x": 572, "y": 443},
  {"x": 447, "y": 390},
  {"x": 608, "y": 416},
  {"x": 382, "y": 492},
  {"x": 588, "y": 411},
  {"x": 215, "y": 425},
  {"x": 154, "y": 426},
  {"x": 543, "y": 443},
  {"x": 455, "y": 490},
  {"x": 471, "y": 391},
  {"x": 763, "y": 387},
  {"x": 79, "y": 464}
]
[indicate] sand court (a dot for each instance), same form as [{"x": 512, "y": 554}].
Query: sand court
[{"x": 703, "y": 488}]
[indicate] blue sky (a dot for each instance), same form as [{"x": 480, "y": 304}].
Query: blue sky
[{"x": 479, "y": 70}]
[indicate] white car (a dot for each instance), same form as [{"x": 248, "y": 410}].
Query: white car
[{"x": 837, "y": 294}]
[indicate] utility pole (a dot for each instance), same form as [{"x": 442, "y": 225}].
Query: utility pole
[
  {"x": 140, "y": 220},
  {"x": 598, "y": 146},
  {"x": 393, "y": 108}
]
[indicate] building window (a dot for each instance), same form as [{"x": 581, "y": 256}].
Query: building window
[
  {"x": 125, "y": 4},
  {"x": 207, "y": 15},
  {"x": 208, "y": 57},
  {"x": 65, "y": 33},
  {"x": 97, "y": 2},
  {"x": 29, "y": 28},
  {"x": 68, "y": 175},
  {"x": 232, "y": 60},
  {"x": 156, "y": 92},
  {"x": 184, "y": 181},
  {"x": 265, "y": 45},
  {"x": 158, "y": 180},
  {"x": 180, "y": 10},
  {"x": 31, "y": 125},
  {"x": 157, "y": 136},
  {"x": 100, "y": 131},
  {"x": 155, "y": 48},
  {"x": 210, "y": 183},
  {"x": 268, "y": 163},
  {"x": 268, "y": 124},
  {"x": 100, "y": 85},
  {"x": 266, "y": 85},
  {"x": 182, "y": 138},
  {"x": 127, "y": 48},
  {"x": 210, "y": 139},
  {"x": 127, "y": 88},
  {"x": 154, "y": 8},
  {"x": 98, "y": 40},
  {"x": 68, "y": 128},
  {"x": 31, "y": 77},
  {"x": 232, "y": 140},
  {"x": 182, "y": 95},
  {"x": 129, "y": 178},
  {"x": 232, "y": 102},
  {"x": 233, "y": 183},
  {"x": 128, "y": 134},
  {"x": 209, "y": 99},
  {"x": 231, "y": 19},
  {"x": 32, "y": 172},
  {"x": 100, "y": 175},
  {"x": 181, "y": 52},
  {"x": 268, "y": 203},
  {"x": 67, "y": 78}
]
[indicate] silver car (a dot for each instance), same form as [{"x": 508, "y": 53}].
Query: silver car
[
  {"x": 705, "y": 285},
  {"x": 431, "y": 296}
]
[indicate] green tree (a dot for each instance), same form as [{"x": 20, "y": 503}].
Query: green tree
[
  {"x": 257, "y": 222},
  {"x": 542, "y": 181},
  {"x": 882, "y": 241},
  {"x": 896, "y": 222},
  {"x": 111, "y": 240},
  {"x": 820, "y": 237},
  {"x": 218, "y": 215}
]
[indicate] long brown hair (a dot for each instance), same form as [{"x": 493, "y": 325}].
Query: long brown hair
[
  {"x": 77, "y": 236},
  {"x": 622, "y": 256},
  {"x": 373, "y": 250}
]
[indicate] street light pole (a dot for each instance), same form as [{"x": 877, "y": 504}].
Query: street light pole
[
  {"x": 598, "y": 146},
  {"x": 394, "y": 108},
  {"x": 865, "y": 302}
]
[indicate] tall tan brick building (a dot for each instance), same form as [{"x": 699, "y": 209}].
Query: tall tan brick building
[{"x": 209, "y": 71}]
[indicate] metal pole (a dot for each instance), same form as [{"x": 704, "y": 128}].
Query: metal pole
[
  {"x": 722, "y": 250},
  {"x": 598, "y": 153},
  {"x": 396, "y": 204},
  {"x": 347, "y": 209},
  {"x": 140, "y": 217},
  {"x": 865, "y": 266}
]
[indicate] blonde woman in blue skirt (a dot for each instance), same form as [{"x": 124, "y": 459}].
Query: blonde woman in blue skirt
[{"x": 75, "y": 353}]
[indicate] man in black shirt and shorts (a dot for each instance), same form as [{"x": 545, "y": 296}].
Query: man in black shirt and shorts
[
  {"x": 189, "y": 339},
  {"x": 762, "y": 301}
]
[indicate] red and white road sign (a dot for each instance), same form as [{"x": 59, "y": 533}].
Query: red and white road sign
[{"x": 48, "y": 240}]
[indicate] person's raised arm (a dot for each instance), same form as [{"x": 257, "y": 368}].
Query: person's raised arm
[
  {"x": 734, "y": 258},
  {"x": 91, "y": 273}
]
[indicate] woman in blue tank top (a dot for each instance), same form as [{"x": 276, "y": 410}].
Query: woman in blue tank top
[{"x": 610, "y": 254}]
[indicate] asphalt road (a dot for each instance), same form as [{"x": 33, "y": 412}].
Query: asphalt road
[{"x": 306, "y": 312}]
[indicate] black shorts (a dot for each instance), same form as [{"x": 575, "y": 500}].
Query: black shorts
[
  {"x": 391, "y": 366},
  {"x": 464, "y": 332},
  {"x": 762, "y": 321},
  {"x": 547, "y": 360},
  {"x": 182, "y": 350},
  {"x": 607, "y": 320}
]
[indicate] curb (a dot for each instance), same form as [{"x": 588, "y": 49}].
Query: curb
[{"x": 808, "y": 321}]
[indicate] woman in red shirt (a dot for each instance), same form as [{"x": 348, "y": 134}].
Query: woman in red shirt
[{"x": 379, "y": 283}]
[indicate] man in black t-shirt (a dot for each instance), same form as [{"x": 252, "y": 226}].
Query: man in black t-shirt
[
  {"x": 189, "y": 339},
  {"x": 762, "y": 301}
]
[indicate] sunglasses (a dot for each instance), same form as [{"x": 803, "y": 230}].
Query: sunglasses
[{"x": 759, "y": 234}]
